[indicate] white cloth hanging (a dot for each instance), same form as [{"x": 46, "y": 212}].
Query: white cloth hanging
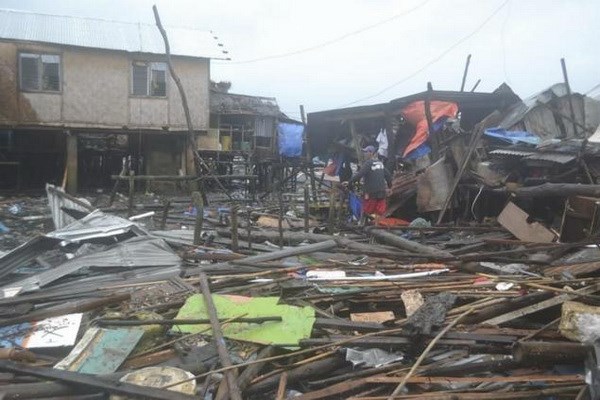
[{"x": 382, "y": 141}]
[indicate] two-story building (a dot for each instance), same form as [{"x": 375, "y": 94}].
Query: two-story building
[{"x": 80, "y": 95}]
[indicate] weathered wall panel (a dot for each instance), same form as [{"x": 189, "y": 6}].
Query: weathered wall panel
[
  {"x": 148, "y": 112},
  {"x": 47, "y": 107},
  {"x": 96, "y": 92},
  {"x": 95, "y": 87},
  {"x": 194, "y": 76}
]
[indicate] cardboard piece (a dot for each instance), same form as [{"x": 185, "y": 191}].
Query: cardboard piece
[
  {"x": 514, "y": 219},
  {"x": 378, "y": 317}
]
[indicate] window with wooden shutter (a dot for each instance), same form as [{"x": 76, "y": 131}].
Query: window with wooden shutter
[
  {"x": 158, "y": 80},
  {"x": 139, "y": 79},
  {"x": 149, "y": 79},
  {"x": 50, "y": 72},
  {"x": 39, "y": 72}
]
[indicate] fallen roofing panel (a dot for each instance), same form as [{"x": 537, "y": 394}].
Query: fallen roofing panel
[
  {"x": 96, "y": 225},
  {"x": 24, "y": 255},
  {"x": 57, "y": 199},
  {"x": 138, "y": 252}
]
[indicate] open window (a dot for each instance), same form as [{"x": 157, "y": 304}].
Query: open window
[
  {"x": 149, "y": 79},
  {"x": 39, "y": 72}
]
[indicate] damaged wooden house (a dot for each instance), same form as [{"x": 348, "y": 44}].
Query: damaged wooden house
[
  {"x": 82, "y": 98},
  {"x": 414, "y": 130},
  {"x": 247, "y": 134}
]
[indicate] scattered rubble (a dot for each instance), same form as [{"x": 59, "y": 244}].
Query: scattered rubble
[{"x": 107, "y": 306}]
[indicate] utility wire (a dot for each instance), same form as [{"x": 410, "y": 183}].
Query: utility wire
[
  {"x": 592, "y": 89},
  {"x": 435, "y": 59},
  {"x": 331, "y": 41}
]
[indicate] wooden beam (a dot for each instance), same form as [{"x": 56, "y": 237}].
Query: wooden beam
[
  {"x": 71, "y": 168},
  {"x": 217, "y": 334},
  {"x": 541, "y": 305}
]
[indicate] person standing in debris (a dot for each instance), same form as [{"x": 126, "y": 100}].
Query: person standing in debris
[{"x": 376, "y": 180}]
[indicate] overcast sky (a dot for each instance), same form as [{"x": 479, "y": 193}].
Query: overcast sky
[{"x": 361, "y": 47}]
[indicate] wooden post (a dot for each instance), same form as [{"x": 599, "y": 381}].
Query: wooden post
[
  {"x": 306, "y": 208},
  {"x": 282, "y": 386},
  {"x": 356, "y": 141},
  {"x": 391, "y": 137},
  {"x": 217, "y": 334},
  {"x": 331, "y": 211},
  {"x": 199, "y": 204},
  {"x": 465, "y": 162},
  {"x": 131, "y": 193},
  {"x": 184, "y": 102},
  {"x": 309, "y": 154},
  {"x": 234, "y": 228},
  {"x": 280, "y": 220},
  {"x": 113, "y": 192},
  {"x": 571, "y": 109},
  {"x": 71, "y": 163},
  {"x": 433, "y": 139},
  {"x": 249, "y": 228},
  {"x": 191, "y": 147},
  {"x": 165, "y": 214},
  {"x": 464, "y": 78},
  {"x": 342, "y": 195}
]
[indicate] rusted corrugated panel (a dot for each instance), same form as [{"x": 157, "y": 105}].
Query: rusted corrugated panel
[{"x": 104, "y": 34}]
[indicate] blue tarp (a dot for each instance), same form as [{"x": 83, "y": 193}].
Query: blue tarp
[
  {"x": 513, "y": 137},
  {"x": 290, "y": 139},
  {"x": 419, "y": 152}
]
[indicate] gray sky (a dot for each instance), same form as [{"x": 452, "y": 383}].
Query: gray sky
[{"x": 515, "y": 41}]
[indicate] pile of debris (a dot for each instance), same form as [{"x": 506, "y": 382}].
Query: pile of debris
[{"x": 241, "y": 307}]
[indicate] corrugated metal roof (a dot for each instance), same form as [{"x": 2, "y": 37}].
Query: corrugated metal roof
[
  {"x": 109, "y": 35},
  {"x": 230, "y": 103}
]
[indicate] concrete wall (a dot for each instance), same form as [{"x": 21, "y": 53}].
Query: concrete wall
[{"x": 96, "y": 92}]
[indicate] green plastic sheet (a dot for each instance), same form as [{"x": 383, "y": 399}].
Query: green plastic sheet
[{"x": 296, "y": 324}]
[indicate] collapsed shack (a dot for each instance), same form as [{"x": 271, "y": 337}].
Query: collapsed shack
[
  {"x": 461, "y": 157},
  {"x": 248, "y": 140},
  {"x": 108, "y": 306}
]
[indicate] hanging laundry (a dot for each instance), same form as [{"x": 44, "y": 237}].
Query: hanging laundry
[{"x": 382, "y": 142}]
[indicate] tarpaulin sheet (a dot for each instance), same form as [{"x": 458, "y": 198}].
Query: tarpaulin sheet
[
  {"x": 415, "y": 114},
  {"x": 296, "y": 324},
  {"x": 513, "y": 137},
  {"x": 290, "y": 139}
]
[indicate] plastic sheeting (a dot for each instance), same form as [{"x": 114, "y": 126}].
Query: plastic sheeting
[
  {"x": 290, "y": 139},
  {"x": 372, "y": 357},
  {"x": 296, "y": 324},
  {"x": 513, "y": 137},
  {"x": 415, "y": 114}
]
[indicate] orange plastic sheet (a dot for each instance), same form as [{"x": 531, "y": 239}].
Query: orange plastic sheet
[{"x": 415, "y": 114}]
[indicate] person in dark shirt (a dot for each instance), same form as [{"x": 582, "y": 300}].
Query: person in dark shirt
[{"x": 376, "y": 180}]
